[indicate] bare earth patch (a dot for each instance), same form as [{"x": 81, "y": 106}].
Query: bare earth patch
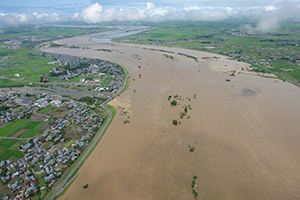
[
  {"x": 22, "y": 131},
  {"x": 72, "y": 134}
]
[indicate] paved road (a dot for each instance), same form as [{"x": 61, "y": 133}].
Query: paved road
[
  {"x": 15, "y": 138},
  {"x": 64, "y": 183}
]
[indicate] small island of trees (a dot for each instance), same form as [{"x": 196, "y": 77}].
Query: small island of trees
[{"x": 173, "y": 103}]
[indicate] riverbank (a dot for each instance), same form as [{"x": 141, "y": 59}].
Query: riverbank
[
  {"x": 244, "y": 130},
  {"x": 65, "y": 182}
]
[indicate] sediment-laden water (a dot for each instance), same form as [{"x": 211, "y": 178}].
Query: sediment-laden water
[{"x": 245, "y": 132}]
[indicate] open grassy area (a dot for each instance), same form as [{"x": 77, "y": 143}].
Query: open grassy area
[
  {"x": 46, "y": 109},
  {"x": 11, "y": 83},
  {"x": 42, "y": 183},
  {"x": 99, "y": 102},
  {"x": 67, "y": 144},
  {"x": 88, "y": 100},
  {"x": 105, "y": 83},
  {"x": 112, "y": 110},
  {"x": 27, "y": 64},
  {"x": 5, "y": 51}
]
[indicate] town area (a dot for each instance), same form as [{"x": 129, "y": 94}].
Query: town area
[{"x": 41, "y": 136}]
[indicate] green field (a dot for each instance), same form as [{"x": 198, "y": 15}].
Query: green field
[
  {"x": 46, "y": 109},
  {"x": 30, "y": 133},
  {"x": 11, "y": 83},
  {"x": 42, "y": 183},
  {"x": 7, "y": 143},
  {"x": 5, "y": 51},
  {"x": 31, "y": 125},
  {"x": 15, "y": 124},
  {"x": 8, "y": 154},
  {"x": 5, "y": 131},
  {"x": 105, "y": 83},
  {"x": 14, "y": 127},
  {"x": 10, "y": 127},
  {"x": 67, "y": 144},
  {"x": 28, "y": 64}
]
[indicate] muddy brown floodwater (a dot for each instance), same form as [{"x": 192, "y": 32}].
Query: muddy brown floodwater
[{"x": 245, "y": 131}]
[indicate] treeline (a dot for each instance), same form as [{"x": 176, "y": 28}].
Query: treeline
[{"x": 87, "y": 100}]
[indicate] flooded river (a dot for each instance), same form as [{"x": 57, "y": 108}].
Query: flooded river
[{"x": 244, "y": 129}]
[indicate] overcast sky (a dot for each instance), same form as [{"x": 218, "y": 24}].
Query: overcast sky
[{"x": 93, "y": 11}]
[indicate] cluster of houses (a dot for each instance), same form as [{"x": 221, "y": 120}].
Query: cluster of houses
[
  {"x": 283, "y": 42},
  {"x": 11, "y": 171},
  {"x": 71, "y": 67},
  {"x": 248, "y": 59},
  {"x": 112, "y": 87},
  {"x": 32, "y": 41},
  {"x": 68, "y": 135},
  {"x": 14, "y": 108}
]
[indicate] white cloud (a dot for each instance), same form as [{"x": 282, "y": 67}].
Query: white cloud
[
  {"x": 93, "y": 13},
  {"x": 75, "y": 15},
  {"x": 12, "y": 18},
  {"x": 35, "y": 17},
  {"x": 270, "y": 8},
  {"x": 150, "y": 5},
  {"x": 270, "y": 17},
  {"x": 97, "y": 13}
]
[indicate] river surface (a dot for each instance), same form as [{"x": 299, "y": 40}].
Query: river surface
[
  {"x": 103, "y": 37},
  {"x": 245, "y": 131}
]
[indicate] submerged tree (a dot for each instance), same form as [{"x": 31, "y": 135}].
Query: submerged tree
[
  {"x": 175, "y": 122},
  {"x": 173, "y": 103}
]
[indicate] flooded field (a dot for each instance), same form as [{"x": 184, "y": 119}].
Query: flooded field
[{"x": 244, "y": 129}]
